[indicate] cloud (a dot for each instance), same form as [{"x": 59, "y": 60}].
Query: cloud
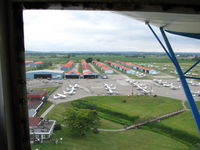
[{"x": 59, "y": 30}]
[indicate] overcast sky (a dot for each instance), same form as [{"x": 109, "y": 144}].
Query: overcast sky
[{"x": 56, "y": 30}]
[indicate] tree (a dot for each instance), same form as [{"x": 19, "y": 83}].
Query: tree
[
  {"x": 89, "y": 59},
  {"x": 81, "y": 121}
]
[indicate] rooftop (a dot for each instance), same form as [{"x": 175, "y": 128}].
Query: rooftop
[
  {"x": 34, "y": 104},
  {"x": 47, "y": 71},
  {"x": 36, "y": 93},
  {"x": 45, "y": 126},
  {"x": 34, "y": 121}
]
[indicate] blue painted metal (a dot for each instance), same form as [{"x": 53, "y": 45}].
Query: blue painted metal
[
  {"x": 158, "y": 40},
  {"x": 185, "y": 86},
  {"x": 192, "y": 66},
  {"x": 197, "y": 78},
  {"x": 182, "y": 77},
  {"x": 191, "y": 35}
]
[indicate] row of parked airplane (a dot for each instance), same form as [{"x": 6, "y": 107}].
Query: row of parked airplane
[
  {"x": 69, "y": 90},
  {"x": 195, "y": 93},
  {"x": 166, "y": 84},
  {"x": 139, "y": 86},
  {"x": 191, "y": 82},
  {"x": 111, "y": 90}
]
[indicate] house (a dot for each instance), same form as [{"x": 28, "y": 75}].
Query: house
[
  {"x": 40, "y": 129},
  {"x": 35, "y": 98},
  {"x": 103, "y": 67},
  {"x": 120, "y": 67},
  {"x": 138, "y": 67},
  {"x": 29, "y": 63},
  {"x": 85, "y": 66}
]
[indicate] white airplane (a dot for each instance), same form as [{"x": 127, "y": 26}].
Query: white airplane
[
  {"x": 195, "y": 84},
  {"x": 76, "y": 85},
  {"x": 110, "y": 91},
  {"x": 139, "y": 87},
  {"x": 197, "y": 92},
  {"x": 70, "y": 92},
  {"x": 68, "y": 89},
  {"x": 113, "y": 88},
  {"x": 173, "y": 87},
  {"x": 61, "y": 95},
  {"x": 147, "y": 91},
  {"x": 56, "y": 96},
  {"x": 167, "y": 84}
]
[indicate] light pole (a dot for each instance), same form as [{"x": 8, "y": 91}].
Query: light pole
[{"x": 132, "y": 89}]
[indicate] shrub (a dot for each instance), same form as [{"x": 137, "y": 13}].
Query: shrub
[{"x": 57, "y": 126}]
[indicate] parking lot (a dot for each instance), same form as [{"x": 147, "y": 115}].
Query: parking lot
[{"x": 95, "y": 87}]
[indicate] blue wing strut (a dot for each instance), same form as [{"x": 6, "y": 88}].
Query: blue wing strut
[{"x": 168, "y": 49}]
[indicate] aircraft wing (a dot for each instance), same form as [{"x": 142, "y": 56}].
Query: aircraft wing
[{"x": 177, "y": 23}]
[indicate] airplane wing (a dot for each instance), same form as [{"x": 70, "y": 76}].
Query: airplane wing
[{"x": 185, "y": 24}]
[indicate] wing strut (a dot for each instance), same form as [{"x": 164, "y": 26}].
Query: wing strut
[{"x": 168, "y": 49}]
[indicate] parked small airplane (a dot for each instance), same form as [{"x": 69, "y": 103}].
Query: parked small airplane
[
  {"x": 70, "y": 92},
  {"x": 61, "y": 95},
  {"x": 173, "y": 87}
]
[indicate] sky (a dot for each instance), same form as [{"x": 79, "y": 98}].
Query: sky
[{"x": 67, "y": 30}]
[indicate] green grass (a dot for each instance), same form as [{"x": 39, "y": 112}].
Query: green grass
[
  {"x": 129, "y": 140},
  {"x": 143, "y": 106},
  {"x": 43, "y": 108},
  {"x": 140, "y": 139},
  {"x": 106, "y": 124},
  {"x": 197, "y": 103},
  {"x": 57, "y": 113},
  {"x": 80, "y": 68},
  {"x": 184, "y": 122}
]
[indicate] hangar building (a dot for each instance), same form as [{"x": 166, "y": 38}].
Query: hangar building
[
  {"x": 73, "y": 75},
  {"x": 45, "y": 74}
]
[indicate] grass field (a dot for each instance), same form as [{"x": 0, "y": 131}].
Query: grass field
[
  {"x": 63, "y": 58},
  {"x": 184, "y": 122},
  {"x": 142, "y": 106},
  {"x": 129, "y": 140},
  {"x": 140, "y": 139},
  {"x": 43, "y": 108}
]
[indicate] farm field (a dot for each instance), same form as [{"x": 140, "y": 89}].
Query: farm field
[
  {"x": 63, "y": 58},
  {"x": 121, "y": 140}
]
